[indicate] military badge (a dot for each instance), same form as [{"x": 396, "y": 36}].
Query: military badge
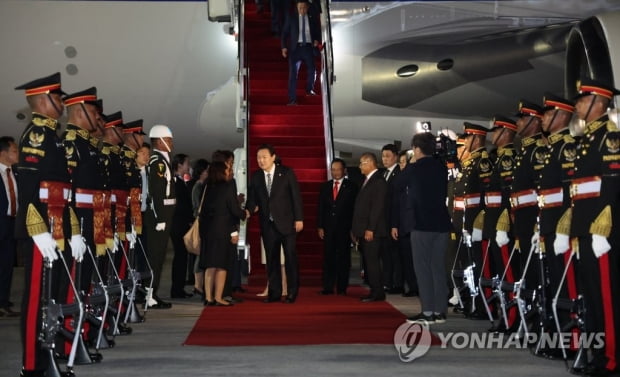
[
  {"x": 36, "y": 139},
  {"x": 613, "y": 143}
]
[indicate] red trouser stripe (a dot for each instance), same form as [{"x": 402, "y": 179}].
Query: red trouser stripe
[
  {"x": 32, "y": 316},
  {"x": 571, "y": 287},
  {"x": 512, "y": 312},
  {"x": 608, "y": 311}
]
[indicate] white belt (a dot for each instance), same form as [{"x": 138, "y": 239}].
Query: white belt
[
  {"x": 550, "y": 199},
  {"x": 518, "y": 201},
  {"x": 170, "y": 202},
  {"x": 588, "y": 189},
  {"x": 84, "y": 198},
  {"x": 459, "y": 204},
  {"x": 472, "y": 201},
  {"x": 493, "y": 199},
  {"x": 113, "y": 198},
  {"x": 44, "y": 193}
]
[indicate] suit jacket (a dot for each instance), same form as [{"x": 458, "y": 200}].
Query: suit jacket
[
  {"x": 284, "y": 204},
  {"x": 291, "y": 29},
  {"x": 336, "y": 216},
  {"x": 5, "y": 232},
  {"x": 369, "y": 213},
  {"x": 401, "y": 204},
  {"x": 183, "y": 212}
]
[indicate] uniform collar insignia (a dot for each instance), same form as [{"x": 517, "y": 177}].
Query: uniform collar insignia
[{"x": 41, "y": 120}]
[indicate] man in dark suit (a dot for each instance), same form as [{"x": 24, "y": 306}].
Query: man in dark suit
[
  {"x": 335, "y": 215},
  {"x": 8, "y": 210},
  {"x": 392, "y": 267},
  {"x": 274, "y": 193},
  {"x": 369, "y": 228},
  {"x": 301, "y": 34}
]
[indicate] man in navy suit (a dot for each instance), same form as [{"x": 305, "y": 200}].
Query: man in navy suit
[
  {"x": 8, "y": 209},
  {"x": 335, "y": 215},
  {"x": 301, "y": 34},
  {"x": 274, "y": 193}
]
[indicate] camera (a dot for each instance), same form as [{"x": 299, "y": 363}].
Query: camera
[{"x": 445, "y": 149}]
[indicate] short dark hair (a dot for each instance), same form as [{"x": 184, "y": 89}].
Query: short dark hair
[
  {"x": 401, "y": 154},
  {"x": 178, "y": 159},
  {"x": 5, "y": 143},
  {"x": 370, "y": 156},
  {"x": 146, "y": 145},
  {"x": 425, "y": 141},
  {"x": 339, "y": 160},
  {"x": 269, "y": 147},
  {"x": 200, "y": 166},
  {"x": 390, "y": 147},
  {"x": 217, "y": 172}
]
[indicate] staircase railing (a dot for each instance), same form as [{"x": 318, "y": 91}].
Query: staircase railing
[{"x": 327, "y": 80}]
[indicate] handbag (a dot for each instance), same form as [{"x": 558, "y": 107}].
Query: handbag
[{"x": 192, "y": 237}]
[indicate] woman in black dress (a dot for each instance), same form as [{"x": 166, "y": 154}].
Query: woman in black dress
[{"x": 219, "y": 226}]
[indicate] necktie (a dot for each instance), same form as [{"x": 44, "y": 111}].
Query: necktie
[
  {"x": 335, "y": 190},
  {"x": 365, "y": 181},
  {"x": 303, "y": 29},
  {"x": 269, "y": 184},
  {"x": 386, "y": 174},
  {"x": 12, "y": 198}
]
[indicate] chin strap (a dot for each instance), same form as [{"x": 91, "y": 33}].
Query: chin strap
[{"x": 56, "y": 107}]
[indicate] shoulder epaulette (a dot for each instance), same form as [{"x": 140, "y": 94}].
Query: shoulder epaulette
[{"x": 70, "y": 135}]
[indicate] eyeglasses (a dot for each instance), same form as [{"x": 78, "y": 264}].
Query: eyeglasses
[{"x": 363, "y": 162}]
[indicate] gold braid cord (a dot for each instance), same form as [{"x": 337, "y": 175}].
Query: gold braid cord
[
  {"x": 602, "y": 224},
  {"x": 75, "y": 224},
  {"x": 34, "y": 221},
  {"x": 134, "y": 206},
  {"x": 98, "y": 222},
  {"x": 564, "y": 222},
  {"x": 479, "y": 220},
  {"x": 107, "y": 212},
  {"x": 503, "y": 222}
]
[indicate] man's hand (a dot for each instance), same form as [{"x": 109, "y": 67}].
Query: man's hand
[
  {"x": 321, "y": 233},
  {"x": 46, "y": 245},
  {"x": 299, "y": 226},
  {"x": 78, "y": 247},
  {"x": 369, "y": 235},
  {"x": 284, "y": 52},
  {"x": 160, "y": 227},
  {"x": 394, "y": 234}
]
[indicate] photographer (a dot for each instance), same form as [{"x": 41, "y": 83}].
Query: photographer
[{"x": 426, "y": 181}]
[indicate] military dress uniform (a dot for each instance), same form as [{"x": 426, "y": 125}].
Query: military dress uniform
[
  {"x": 595, "y": 194},
  {"x": 554, "y": 200},
  {"x": 468, "y": 203},
  {"x": 162, "y": 202},
  {"x": 497, "y": 208},
  {"x": 44, "y": 189}
]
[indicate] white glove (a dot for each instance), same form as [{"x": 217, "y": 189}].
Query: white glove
[
  {"x": 160, "y": 227},
  {"x": 535, "y": 238},
  {"x": 46, "y": 245},
  {"x": 78, "y": 247},
  {"x": 476, "y": 235},
  {"x": 501, "y": 238},
  {"x": 600, "y": 245},
  {"x": 561, "y": 244},
  {"x": 132, "y": 239}
]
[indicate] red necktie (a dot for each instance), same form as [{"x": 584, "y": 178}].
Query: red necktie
[
  {"x": 12, "y": 198},
  {"x": 335, "y": 191}
]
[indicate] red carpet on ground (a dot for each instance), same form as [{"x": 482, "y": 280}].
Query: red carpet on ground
[{"x": 313, "y": 319}]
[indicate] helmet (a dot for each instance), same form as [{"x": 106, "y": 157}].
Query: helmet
[{"x": 160, "y": 130}]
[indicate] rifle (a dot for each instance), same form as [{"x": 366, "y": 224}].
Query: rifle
[{"x": 467, "y": 274}]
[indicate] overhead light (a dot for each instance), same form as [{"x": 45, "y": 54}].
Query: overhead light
[{"x": 408, "y": 70}]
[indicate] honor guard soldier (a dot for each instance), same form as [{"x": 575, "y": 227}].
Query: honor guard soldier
[
  {"x": 468, "y": 201},
  {"x": 497, "y": 207},
  {"x": 554, "y": 198},
  {"x": 127, "y": 219},
  {"x": 163, "y": 200},
  {"x": 44, "y": 193},
  {"x": 523, "y": 200},
  {"x": 595, "y": 194},
  {"x": 83, "y": 165}
]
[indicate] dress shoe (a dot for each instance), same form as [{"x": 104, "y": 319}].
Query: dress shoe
[
  {"x": 209, "y": 303},
  {"x": 291, "y": 103},
  {"x": 410, "y": 294},
  {"x": 269, "y": 300},
  {"x": 8, "y": 313},
  {"x": 181, "y": 294},
  {"x": 290, "y": 299},
  {"x": 326, "y": 292},
  {"x": 123, "y": 330},
  {"x": 311, "y": 93},
  {"x": 342, "y": 293},
  {"x": 233, "y": 300},
  {"x": 217, "y": 303},
  {"x": 395, "y": 290},
  {"x": 161, "y": 304},
  {"x": 373, "y": 299}
]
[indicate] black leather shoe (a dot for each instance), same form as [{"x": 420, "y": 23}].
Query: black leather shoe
[
  {"x": 395, "y": 290},
  {"x": 311, "y": 93},
  {"x": 269, "y": 300},
  {"x": 291, "y": 103},
  {"x": 238, "y": 290},
  {"x": 234, "y": 300},
  {"x": 124, "y": 330},
  {"x": 290, "y": 299},
  {"x": 181, "y": 294},
  {"x": 410, "y": 294},
  {"x": 209, "y": 303},
  {"x": 220, "y": 304},
  {"x": 326, "y": 292},
  {"x": 161, "y": 304}
]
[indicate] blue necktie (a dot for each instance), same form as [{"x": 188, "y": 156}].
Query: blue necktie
[{"x": 303, "y": 29}]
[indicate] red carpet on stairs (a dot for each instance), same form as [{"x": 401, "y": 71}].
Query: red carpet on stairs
[
  {"x": 296, "y": 132},
  {"x": 313, "y": 319}
]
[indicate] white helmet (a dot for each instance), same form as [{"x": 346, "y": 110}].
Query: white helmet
[{"x": 160, "y": 130}]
